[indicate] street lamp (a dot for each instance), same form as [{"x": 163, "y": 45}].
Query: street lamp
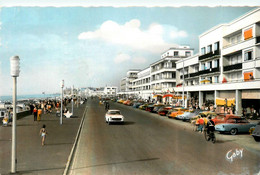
[
  {"x": 15, "y": 70},
  {"x": 183, "y": 82},
  {"x": 61, "y": 113}
]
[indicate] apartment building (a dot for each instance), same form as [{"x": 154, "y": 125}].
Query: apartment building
[
  {"x": 159, "y": 77},
  {"x": 126, "y": 84},
  {"x": 228, "y": 63},
  {"x": 163, "y": 71},
  {"x": 142, "y": 85},
  {"x": 110, "y": 91}
]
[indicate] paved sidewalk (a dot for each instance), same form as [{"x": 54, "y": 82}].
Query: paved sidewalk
[{"x": 31, "y": 156}]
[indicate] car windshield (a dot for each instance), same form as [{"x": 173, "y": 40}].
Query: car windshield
[{"x": 114, "y": 112}]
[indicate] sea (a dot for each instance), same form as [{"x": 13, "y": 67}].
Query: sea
[{"x": 9, "y": 98}]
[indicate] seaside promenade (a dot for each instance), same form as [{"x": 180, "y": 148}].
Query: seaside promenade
[{"x": 32, "y": 157}]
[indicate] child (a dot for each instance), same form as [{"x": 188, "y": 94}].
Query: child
[{"x": 43, "y": 133}]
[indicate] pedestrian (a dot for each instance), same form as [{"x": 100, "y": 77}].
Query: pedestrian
[
  {"x": 35, "y": 111},
  {"x": 201, "y": 124},
  {"x": 43, "y": 133}
]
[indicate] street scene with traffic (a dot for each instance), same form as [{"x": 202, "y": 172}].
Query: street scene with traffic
[{"x": 130, "y": 87}]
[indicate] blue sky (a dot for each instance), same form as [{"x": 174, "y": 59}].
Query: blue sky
[{"x": 95, "y": 46}]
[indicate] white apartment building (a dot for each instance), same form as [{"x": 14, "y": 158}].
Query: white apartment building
[
  {"x": 228, "y": 63},
  {"x": 126, "y": 82},
  {"x": 110, "y": 91},
  {"x": 142, "y": 85},
  {"x": 158, "y": 78},
  {"x": 163, "y": 71}
]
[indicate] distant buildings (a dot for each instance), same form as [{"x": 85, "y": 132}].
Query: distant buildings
[{"x": 226, "y": 67}]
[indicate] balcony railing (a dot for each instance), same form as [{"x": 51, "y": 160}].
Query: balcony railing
[
  {"x": 194, "y": 74},
  {"x": 208, "y": 55},
  {"x": 208, "y": 71},
  {"x": 233, "y": 67},
  {"x": 185, "y": 76}
]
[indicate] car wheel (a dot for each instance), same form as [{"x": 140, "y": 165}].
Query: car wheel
[
  {"x": 221, "y": 132},
  {"x": 257, "y": 139},
  {"x": 233, "y": 131}
]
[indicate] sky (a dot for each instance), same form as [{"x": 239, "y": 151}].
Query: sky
[{"x": 94, "y": 44}]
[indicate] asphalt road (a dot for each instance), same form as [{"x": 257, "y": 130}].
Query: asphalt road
[{"x": 151, "y": 144}]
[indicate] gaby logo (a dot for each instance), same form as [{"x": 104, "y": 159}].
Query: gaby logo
[{"x": 231, "y": 155}]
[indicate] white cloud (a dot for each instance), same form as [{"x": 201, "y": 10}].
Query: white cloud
[
  {"x": 121, "y": 58},
  {"x": 176, "y": 34},
  {"x": 139, "y": 60},
  {"x": 130, "y": 35}
]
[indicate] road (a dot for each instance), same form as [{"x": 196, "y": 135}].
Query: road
[{"x": 151, "y": 144}]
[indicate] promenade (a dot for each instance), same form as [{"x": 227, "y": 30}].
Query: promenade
[{"x": 32, "y": 157}]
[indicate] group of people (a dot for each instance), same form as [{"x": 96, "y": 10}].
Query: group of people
[{"x": 206, "y": 122}]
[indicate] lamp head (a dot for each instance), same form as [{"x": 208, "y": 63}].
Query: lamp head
[{"x": 15, "y": 66}]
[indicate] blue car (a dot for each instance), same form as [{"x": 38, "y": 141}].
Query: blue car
[{"x": 234, "y": 126}]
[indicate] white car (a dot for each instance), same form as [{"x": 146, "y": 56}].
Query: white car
[{"x": 114, "y": 115}]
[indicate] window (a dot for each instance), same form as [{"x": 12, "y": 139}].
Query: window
[
  {"x": 216, "y": 46},
  {"x": 248, "y": 55},
  {"x": 209, "y": 65},
  {"x": 203, "y": 50},
  {"x": 239, "y": 38},
  {"x": 187, "y": 53},
  {"x": 233, "y": 60},
  {"x": 176, "y": 53},
  {"x": 216, "y": 79},
  {"x": 209, "y": 48},
  {"x": 203, "y": 67},
  {"x": 215, "y": 63},
  {"x": 248, "y": 33}
]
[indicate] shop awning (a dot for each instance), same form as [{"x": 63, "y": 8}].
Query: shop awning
[
  {"x": 222, "y": 101},
  {"x": 168, "y": 95},
  {"x": 179, "y": 85},
  {"x": 205, "y": 81}
]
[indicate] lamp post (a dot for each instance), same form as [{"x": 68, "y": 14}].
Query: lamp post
[
  {"x": 15, "y": 70},
  {"x": 183, "y": 82},
  {"x": 61, "y": 113}
]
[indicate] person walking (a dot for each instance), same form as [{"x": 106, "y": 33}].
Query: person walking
[
  {"x": 43, "y": 133},
  {"x": 201, "y": 124},
  {"x": 35, "y": 111}
]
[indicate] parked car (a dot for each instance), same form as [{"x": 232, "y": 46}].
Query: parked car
[
  {"x": 176, "y": 111},
  {"x": 157, "y": 107},
  {"x": 150, "y": 107},
  {"x": 223, "y": 118},
  {"x": 137, "y": 104},
  {"x": 234, "y": 126},
  {"x": 256, "y": 132},
  {"x": 113, "y": 116},
  {"x": 186, "y": 116},
  {"x": 164, "y": 111},
  {"x": 143, "y": 106}
]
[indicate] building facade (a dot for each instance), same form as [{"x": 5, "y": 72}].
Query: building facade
[{"x": 228, "y": 63}]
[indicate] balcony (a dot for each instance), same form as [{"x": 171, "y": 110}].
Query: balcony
[
  {"x": 208, "y": 71},
  {"x": 185, "y": 76},
  {"x": 232, "y": 48},
  {"x": 233, "y": 67},
  {"x": 194, "y": 74},
  {"x": 209, "y": 55}
]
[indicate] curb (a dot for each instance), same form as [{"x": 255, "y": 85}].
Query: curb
[{"x": 75, "y": 144}]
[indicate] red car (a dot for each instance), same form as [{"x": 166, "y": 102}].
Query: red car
[
  {"x": 223, "y": 118},
  {"x": 164, "y": 111}
]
